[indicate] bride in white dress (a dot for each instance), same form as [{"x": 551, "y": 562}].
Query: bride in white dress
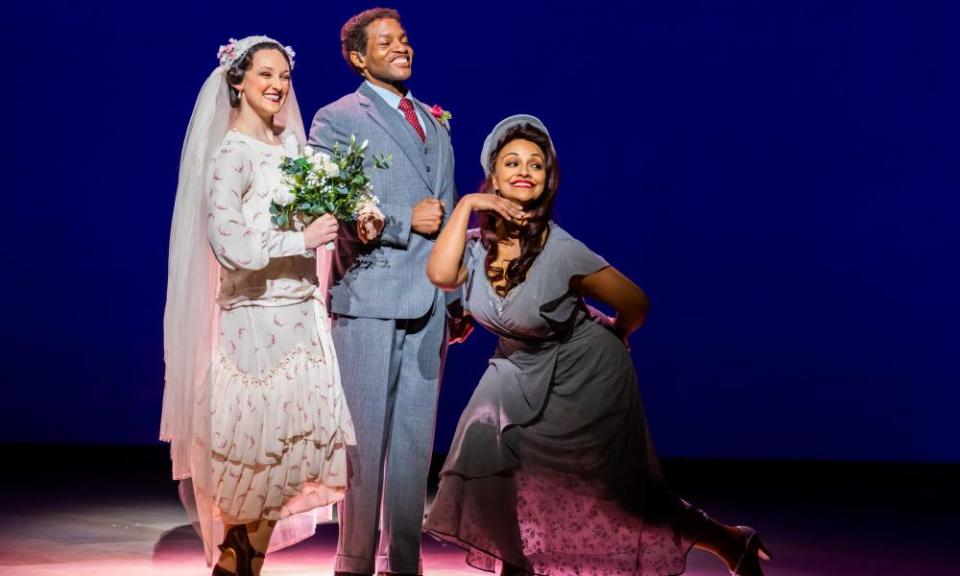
[{"x": 253, "y": 405}]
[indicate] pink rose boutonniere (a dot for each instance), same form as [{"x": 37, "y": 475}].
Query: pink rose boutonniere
[{"x": 442, "y": 116}]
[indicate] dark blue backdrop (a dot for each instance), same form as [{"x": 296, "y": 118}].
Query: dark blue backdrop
[{"x": 780, "y": 177}]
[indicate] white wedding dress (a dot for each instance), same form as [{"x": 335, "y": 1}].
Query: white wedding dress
[{"x": 279, "y": 423}]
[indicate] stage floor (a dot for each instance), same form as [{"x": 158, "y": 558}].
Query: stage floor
[{"x": 113, "y": 511}]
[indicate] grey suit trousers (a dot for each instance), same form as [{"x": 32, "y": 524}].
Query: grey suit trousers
[{"x": 391, "y": 378}]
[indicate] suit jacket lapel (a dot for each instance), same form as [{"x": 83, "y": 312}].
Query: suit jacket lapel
[{"x": 398, "y": 129}]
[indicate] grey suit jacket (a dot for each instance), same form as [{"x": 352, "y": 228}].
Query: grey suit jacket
[{"x": 387, "y": 279}]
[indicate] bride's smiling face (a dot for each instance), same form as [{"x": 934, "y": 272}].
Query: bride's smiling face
[{"x": 266, "y": 83}]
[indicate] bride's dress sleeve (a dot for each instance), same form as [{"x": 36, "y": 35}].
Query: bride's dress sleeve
[{"x": 236, "y": 244}]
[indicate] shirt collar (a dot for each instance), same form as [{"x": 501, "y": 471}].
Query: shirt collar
[{"x": 389, "y": 97}]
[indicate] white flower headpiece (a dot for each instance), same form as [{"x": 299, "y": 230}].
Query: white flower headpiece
[{"x": 235, "y": 49}]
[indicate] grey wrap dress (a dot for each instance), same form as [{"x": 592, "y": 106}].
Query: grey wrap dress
[{"x": 551, "y": 468}]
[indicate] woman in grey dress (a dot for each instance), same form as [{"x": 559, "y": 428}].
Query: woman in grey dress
[{"x": 551, "y": 470}]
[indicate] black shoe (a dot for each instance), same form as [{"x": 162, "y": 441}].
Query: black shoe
[
  {"x": 238, "y": 541},
  {"x": 753, "y": 552}
]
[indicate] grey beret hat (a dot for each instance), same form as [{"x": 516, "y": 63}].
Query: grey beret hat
[{"x": 490, "y": 142}]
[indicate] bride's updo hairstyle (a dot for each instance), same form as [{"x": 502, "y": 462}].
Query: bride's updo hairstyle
[{"x": 237, "y": 57}]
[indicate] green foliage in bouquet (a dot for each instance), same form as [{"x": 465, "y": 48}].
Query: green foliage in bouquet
[{"x": 319, "y": 184}]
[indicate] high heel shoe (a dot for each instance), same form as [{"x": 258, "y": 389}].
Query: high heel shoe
[
  {"x": 753, "y": 552},
  {"x": 507, "y": 569},
  {"x": 238, "y": 540}
]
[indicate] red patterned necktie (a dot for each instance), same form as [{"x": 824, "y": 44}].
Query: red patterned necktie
[{"x": 406, "y": 106}]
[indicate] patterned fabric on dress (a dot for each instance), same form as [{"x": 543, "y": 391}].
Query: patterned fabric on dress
[
  {"x": 551, "y": 468},
  {"x": 279, "y": 424}
]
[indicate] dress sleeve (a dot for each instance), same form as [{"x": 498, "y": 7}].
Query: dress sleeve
[
  {"x": 473, "y": 249},
  {"x": 235, "y": 244},
  {"x": 569, "y": 258},
  {"x": 577, "y": 260},
  {"x": 472, "y": 252}
]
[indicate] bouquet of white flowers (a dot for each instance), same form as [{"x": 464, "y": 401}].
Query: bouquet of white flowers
[{"x": 319, "y": 184}]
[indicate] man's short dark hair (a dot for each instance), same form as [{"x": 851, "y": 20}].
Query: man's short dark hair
[{"x": 353, "y": 35}]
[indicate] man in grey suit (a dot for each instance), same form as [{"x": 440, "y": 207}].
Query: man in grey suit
[{"x": 389, "y": 321}]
